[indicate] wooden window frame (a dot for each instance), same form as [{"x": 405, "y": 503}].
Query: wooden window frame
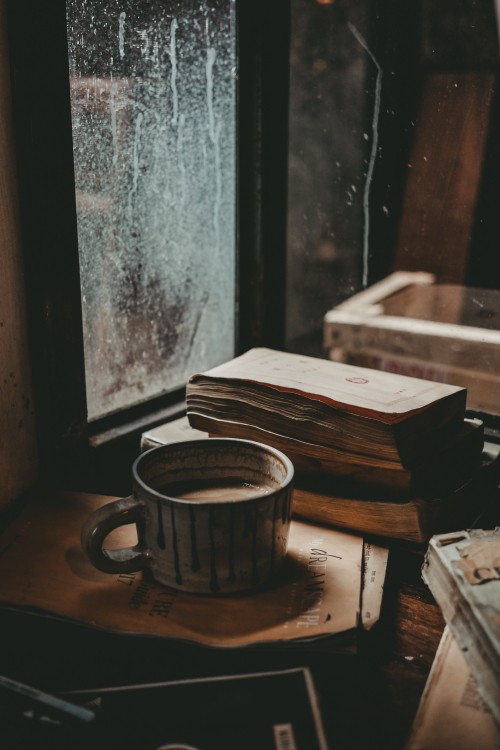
[{"x": 92, "y": 455}]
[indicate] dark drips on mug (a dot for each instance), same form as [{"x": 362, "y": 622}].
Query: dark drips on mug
[{"x": 242, "y": 521}]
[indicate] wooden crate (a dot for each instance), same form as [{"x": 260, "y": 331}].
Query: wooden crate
[{"x": 409, "y": 324}]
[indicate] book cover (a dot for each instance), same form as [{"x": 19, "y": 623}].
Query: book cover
[
  {"x": 271, "y": 710},
  {"x": 276, "y": 710}
]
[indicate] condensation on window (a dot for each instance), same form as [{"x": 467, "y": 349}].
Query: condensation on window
[{"x": 153, "y": 117}]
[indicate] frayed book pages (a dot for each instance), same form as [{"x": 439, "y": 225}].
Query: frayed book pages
[{"x": 327, "y": 416}]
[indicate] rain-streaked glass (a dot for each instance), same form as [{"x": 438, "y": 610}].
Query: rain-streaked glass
[{"x": 154, "y": 128}]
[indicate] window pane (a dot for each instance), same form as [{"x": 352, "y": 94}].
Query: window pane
[
  {"x": 328, "y": 152},
  {"x": 394, "y": 176},
  {"x": 153, "y": 109}
]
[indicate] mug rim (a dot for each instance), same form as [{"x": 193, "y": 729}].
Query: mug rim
[{"x": 290, "y": 470}]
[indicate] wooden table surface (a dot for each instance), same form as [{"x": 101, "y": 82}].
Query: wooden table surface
[{"x": 367, "y": 699}]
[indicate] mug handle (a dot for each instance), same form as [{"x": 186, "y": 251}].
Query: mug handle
[{"x": 98, "y": 526}]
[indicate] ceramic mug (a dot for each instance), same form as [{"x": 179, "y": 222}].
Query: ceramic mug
[{"x": 212, "y": 516}]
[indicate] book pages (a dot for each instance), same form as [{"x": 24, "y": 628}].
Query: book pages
[
  {"x": 375, "y": 560},
  {"x": 360, "y": 388},
  {"x": 211, "y": 713}
]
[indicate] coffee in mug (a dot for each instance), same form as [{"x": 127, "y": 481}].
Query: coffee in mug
[{"x": 212, "y": 516}]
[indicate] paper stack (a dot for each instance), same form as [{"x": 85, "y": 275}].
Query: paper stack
[{"x": 462, "y": 570}]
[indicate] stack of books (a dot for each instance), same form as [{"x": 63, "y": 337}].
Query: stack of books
[
  {"x": 210, "y": 713},
  {"x": 375, "y": 452},
  {"x": 462, "y": 570}
]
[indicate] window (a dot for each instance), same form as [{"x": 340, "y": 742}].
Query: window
[
  {"x": 153, "y": 105},
  {"x": 152, "y": 157},
  {"x": 308, "y": 154},
  {"x": 393, "y": 168}
]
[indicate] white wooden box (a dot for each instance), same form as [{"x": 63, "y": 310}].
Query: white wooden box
[{"x": 409, "y": 324}]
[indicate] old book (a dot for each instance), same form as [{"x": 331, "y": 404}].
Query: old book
[
  {"x": 411, "y": 507},
  {"x": 440, "y": 472},
  {"x": 437, "y": 472},
  {"x": 462, "y": 570},
  {"x": 316, "y": 603},
  {"x": 278, "y": 710},
  {"x": 451, "y": 692},
  {"x": 322, "y": 407},
  {"x": 205, "y": 712},
  {"x": 415, "y": 519}
]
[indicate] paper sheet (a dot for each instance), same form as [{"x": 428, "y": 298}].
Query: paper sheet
[
  {"x": 43, "y": 567},
  {"x": 374, "y": 569}
]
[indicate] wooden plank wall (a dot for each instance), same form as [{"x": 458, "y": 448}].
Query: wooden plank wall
[
  {"x": 18, "y": 456},
  {"x": 444, "y": 175}
]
